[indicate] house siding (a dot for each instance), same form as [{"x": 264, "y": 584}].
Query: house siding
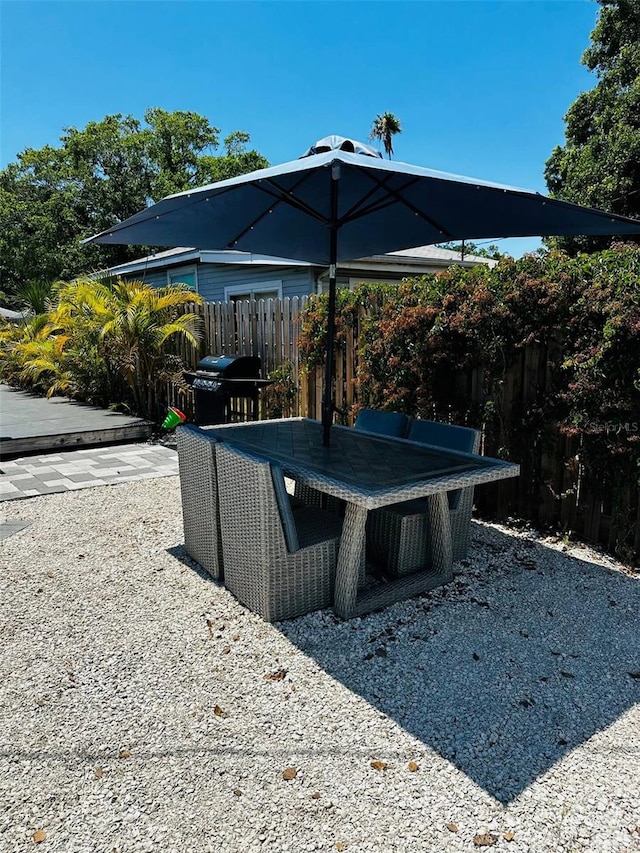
[
  {"x": 299, "y": 281},
  {"x": 158, "y": 278},
  {"x": 296, "y": 281},
  {"x": 213, "y": 278}
]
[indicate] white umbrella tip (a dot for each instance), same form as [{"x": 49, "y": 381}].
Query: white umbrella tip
[{"x": 341, "y": 143}]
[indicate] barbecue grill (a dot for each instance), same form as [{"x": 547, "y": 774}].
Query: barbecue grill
[{"x": 226, "y": 388}]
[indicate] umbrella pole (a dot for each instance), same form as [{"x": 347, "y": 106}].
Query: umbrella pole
[
  {"x": 327, "y": 397},
  {"x": 327, "y": 400}
]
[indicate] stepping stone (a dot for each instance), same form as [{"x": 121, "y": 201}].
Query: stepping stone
[{"x": 8, "y": 528}]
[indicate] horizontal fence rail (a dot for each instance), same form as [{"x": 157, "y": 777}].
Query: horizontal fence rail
[{"x": 554, "y": 488}]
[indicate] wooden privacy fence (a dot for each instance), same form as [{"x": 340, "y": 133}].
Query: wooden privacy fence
[
  {"x": 555, "y": 488},
  {"x": 267, "y": 328}
]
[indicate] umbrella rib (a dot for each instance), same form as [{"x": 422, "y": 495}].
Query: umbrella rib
[
  {"x": 288, "y": 198},
  {"x": 358, "y": 205},
  {"x": 374, "y": 208},
  {"x": 397, "y": 198},
  {"x": 282, "y": 196}
]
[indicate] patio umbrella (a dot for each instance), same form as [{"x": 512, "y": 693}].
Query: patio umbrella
[{"x": 342, "y": 201}]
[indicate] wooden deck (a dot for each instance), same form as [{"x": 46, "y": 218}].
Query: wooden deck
[{"x": 30, "y": 424}]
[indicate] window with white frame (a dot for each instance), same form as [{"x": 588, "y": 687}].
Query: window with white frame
[
  {"x": 184, "y": 275},
  {"x": 254, "y": 290}
]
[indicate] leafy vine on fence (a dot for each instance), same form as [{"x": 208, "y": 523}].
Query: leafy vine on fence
[{"x": 418, "y": 340}]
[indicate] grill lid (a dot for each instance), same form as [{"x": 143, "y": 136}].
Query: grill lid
[{"x": 230, "y": 366}]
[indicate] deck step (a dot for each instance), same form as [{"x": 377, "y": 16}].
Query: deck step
[{"x": 24, "y": 445}]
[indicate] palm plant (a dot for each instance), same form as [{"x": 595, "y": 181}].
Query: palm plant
[
  {"x": 130, "y": 325},
  {"x": 104, "y": 341},
  {"x": 384, "y": 128},
  {"x": 45, "y": 363},
  {"x": 35, "y": 296},
  {"x": 21, "y": 343}
]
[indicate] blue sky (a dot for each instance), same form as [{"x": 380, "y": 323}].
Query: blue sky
[{"x": 481, "y": 87}]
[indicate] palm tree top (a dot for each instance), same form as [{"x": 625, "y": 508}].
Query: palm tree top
[{"x": 384, "y": 127}]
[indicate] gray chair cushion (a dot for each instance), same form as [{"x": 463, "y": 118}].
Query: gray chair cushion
[
  {"x": 393, "y": 424},
  {"x": 449, "y": 436},
  {"x": 284, "y": 506}
]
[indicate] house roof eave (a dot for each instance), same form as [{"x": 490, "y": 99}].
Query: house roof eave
[{"x": 397, "y": 262}]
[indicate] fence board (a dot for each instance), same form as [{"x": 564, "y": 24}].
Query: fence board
[
  {"x": 350, "y": 380},
  {"x": 339, "y": 379},
  {"x": 278, "y": 321},
  {"x": 304, "y": 395},
  {"x": 256, "y": 348},
  {"x": 268, "y": 333},
  {"x": 286, "y": 330},
  {"x": 570, "y": 472},
  {"x": 317, "y": 404},
  {"x": 295, "y": 352}
]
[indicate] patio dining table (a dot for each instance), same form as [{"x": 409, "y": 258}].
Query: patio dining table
[{"x": 369, "y": 471}]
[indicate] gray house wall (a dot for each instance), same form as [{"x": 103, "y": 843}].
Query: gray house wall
[
  {"x": 213, "y": 278},
  {"x": 158, "y": 278},
  {"x": 217, "y": 271},
  {"x": 295, "y": 281}
]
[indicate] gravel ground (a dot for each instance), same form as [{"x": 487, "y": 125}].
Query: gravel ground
[{"x": 143, "y": 709}]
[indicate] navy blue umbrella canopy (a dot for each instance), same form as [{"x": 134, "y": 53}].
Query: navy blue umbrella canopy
[
  {"x": 382, "y": 206},
  {"x": 341, "y": 201}
]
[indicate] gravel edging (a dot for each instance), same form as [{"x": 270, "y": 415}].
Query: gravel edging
[{"x": 135, "y": 714}]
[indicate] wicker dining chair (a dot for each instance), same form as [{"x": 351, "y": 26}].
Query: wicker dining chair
[
  {"x": 399, "y": 534},
  {"x": 199, "y": 491},
  {"x": 279, "y": 562}
]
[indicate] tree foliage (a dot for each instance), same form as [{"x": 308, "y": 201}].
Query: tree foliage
[
  {"x": 470, "y": 248},
  {"x": 384, "y": 128},
  {"x": 599, "y": 165},
  {"x": 52, "y": 197}
]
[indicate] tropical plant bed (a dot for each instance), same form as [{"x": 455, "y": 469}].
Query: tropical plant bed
[{"x": 110, "y": 343}]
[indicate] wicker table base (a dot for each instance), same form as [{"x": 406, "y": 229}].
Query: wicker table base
[{"x": 348, "y": 603}]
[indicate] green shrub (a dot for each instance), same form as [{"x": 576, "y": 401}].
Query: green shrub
[
  {"x": 423, "y": 342},
  {"x": 278, "y": 400},
  {"x": 105, "y": 342}
]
